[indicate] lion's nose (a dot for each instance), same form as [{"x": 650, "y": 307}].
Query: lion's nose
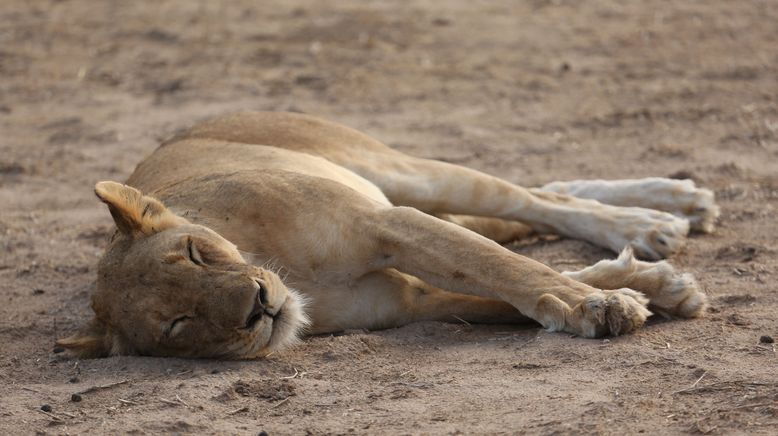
[{"x": 262, "y": 294}]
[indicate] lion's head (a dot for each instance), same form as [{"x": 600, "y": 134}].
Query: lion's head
[{"x": 168, "y": 287}]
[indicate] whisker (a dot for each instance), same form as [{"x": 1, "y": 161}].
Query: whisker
[{"x": 270, "y": 264}]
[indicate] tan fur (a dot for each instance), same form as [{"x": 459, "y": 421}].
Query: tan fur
[
  {"x": 671, "y": 294},
  {"x": 349, "y": 224},
  {"x": 133, "y": 212}
]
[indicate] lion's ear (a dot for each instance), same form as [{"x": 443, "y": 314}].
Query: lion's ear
[
  {"x": 133, "y": 212},
  {"x": 93, "y": 340}
]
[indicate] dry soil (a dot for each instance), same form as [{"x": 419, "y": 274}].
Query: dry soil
[{"x": 531, "y": 91}]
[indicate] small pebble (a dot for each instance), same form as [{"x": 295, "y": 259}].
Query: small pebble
[
  {"x": 46, "y": 408},
  {"x": 58, "y": 350},
  {"x": 38, "y": 291},
  {"x": 263, "y": 433},
  {"x": 214, "y": 371},
  {"x": 766, "y": 339},
  {"x": 75, "y": 398},
  {"x": 73, "y": 380}
]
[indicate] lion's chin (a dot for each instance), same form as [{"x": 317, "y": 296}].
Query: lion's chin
[{"x": 287, "y": 326}]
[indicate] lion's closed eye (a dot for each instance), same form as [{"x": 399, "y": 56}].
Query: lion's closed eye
[
  {"x": 176, "y": 326},
  {"x": 194, "y": 253}
]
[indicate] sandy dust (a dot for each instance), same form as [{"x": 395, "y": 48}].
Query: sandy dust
[{"x": 532, "y": 91}]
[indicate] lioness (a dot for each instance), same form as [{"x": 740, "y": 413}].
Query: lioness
[{"x": 368, "y": 238}]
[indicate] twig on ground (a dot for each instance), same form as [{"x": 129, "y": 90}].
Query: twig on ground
[
  {"x": 101, "y": 387},
  {"x": 50, "y": 415},
  {"x": 170, "y": 402},
  {"x": 661, "y": 346},
  {"x": 698, "y": 380},
  {"x": 122, "y": 400},
  {"x": 181, "y": 401},
  {"x": 280, "y": 403},
  {"x": 289, "y": 377},
  {"x": 242, "y": 409},
  {"x": 31, "y": 389},
  {"x": 177, "y": 402},
  {"x": 567, "y": 262},
  {"x": 693, "y": 385}
]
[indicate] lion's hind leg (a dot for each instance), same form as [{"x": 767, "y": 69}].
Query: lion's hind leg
[
  {"x": 670, "y": 293},
  {"x": 496, "y": 229},
  {"x": 679, "y": 197},
  {"x": 388, "y": 298}
]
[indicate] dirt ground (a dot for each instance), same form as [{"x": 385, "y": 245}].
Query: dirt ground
[{"x": 532, "y": 91}]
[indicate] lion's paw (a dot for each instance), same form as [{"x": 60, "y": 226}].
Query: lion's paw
[
  {"x": 602, "y": 313},
  {"x": 678, "y": 197},
  {"x": 611, "y": 313},
  {"x": 671, "y": 293},
  {"x": 651, "y": 234},
  {"x": 696, "y": 205}
]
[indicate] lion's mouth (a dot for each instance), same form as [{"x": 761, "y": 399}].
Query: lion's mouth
[
  {"x": 258, "y": 312},
  {"x": 288, "y": 323},
  {"x": 253, "y": 320},
  {"x": 278, "y": 330}
]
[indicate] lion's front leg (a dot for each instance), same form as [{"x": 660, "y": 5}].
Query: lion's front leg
[{"x": 452, "y": 258}]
